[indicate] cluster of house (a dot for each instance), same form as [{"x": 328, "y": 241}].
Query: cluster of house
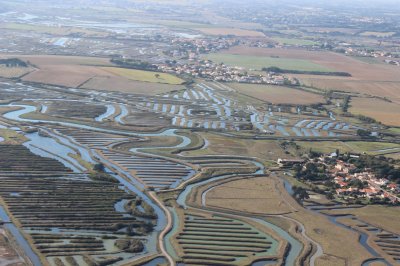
[
  {"x": 392, "y": 62},
  {"x": 388, "y": 58},
  {"x": 374, "y": 187},
  {"x": 191, "y": 48},
  {"x": 220, "y": 72},
  {"x": 355, "y": 51}
]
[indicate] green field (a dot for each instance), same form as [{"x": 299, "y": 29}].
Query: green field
[
  {"x": 258, "y": 62},
  {"x": 395, "y": 130},
  {"x": 290, "y": 41},
  {"x": 373, "y": 148},
  {"x": 378, "y": 34},
  {"x": 182, "y": 24},
  {"x": 368, "y": 60},
  {"x": 147, "y": 76}
]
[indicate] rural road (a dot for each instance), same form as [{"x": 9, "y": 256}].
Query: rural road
[
  {"x": 319, "y": 251},
  {"x": 166, "y": 229}
]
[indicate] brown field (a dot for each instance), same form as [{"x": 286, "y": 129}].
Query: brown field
[
  {"x": 14, "y": 72},
  {"x": 375, "y": 88},
  {"x": 60, "y": 60},
  {"x": 277, "y": 94},
  {"x": 254, "y": 195},
  {"x": 122, "y": 84},
  {"x": 68, "y": 71},
  {"x": 64, "y": 75},
  {"x": 374, "y": 79},
  {"x": 88, "y": 72},
  {"x": 386, "y": 112},
  {"x": 231, "y": 31}
]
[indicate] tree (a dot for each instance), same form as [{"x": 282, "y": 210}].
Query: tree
[
  {"x": 363, "y": 133},
  {"x": 99, "y": 167},
  {"x": 330, "y": 196},
  {"x": 300, "y": 193}
]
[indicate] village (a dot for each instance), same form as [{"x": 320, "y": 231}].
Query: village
[
  {"x": 364, "y": 184},
  {"x": 344, "y": 179},
  {"x": 221, "y": 72}
]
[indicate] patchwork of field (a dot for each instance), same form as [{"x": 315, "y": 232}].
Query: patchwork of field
[
  {"x": 278, "y": 94},
  {"x": 258, "y": 62},
  {"x": 253, "y": 195},
  {"x": 367, "y": 78},
  {"x": 92, "y": 72},
  {"x": 231, "y": 31},
  {"x": 386, "y": 112}
]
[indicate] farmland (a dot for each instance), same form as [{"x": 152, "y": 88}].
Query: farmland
[
  {"x": 121, "y": 84},
  {"x": 146, "y": 76},
  {"x": 372, "y": 79},
  {"x": 257, "y": 62},
  {"x": 73, "y": 71},
  {"x": 386, "y": 112}
]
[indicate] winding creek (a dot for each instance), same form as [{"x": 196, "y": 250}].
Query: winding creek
[
  {"x": 137, "y": 188},
  {"x": 296, "y": 246},
  {"x": 133, "y": 186},
  {"x": 161, "y": 216}
]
